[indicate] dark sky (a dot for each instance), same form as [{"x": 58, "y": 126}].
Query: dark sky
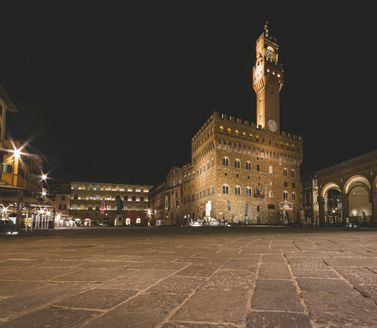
[{"x": 111, "y": 93}]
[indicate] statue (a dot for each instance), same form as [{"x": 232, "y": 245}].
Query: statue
[
  {"x": 119, "y": 205},
  {"x": 208, "y": 208}
]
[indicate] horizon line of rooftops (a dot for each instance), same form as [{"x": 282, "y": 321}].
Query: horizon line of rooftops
[
  {"x": 247, "y": 123},
  {"x": 103, "y": 186}
]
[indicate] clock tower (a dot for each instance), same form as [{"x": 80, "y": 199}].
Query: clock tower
[{"x": 268, "y": 81}]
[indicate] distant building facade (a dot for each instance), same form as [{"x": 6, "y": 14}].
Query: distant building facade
[
  {"x": 250, "y": 173},
  {"x": 166, "y": 199},
  {"x": 98, "y": 203}
]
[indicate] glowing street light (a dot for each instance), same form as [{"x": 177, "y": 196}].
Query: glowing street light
[
  {"x": 44, "y": 176},
  {"x": 44, "y": 193},
  {"x": 17, "y": 154}
]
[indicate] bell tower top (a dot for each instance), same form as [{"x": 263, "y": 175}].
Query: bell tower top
[{"x": 268, "y": 81}]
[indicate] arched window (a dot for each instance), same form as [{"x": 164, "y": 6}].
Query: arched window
[
  {"x": 270, "y": 194},
  {"x": 258, "y": 167},
  {"x": 225, "y": 161},
  {"x": 128, "y": 221},
  {"x": 225, "y": 189},
  {"x": 237, "y": 163},
  {"x": 293, "y": 196},
  {"x": 285, "y": 195},
  {"x": 237, "y": 190},
  {"x": 248, "y": 191},
  {"x": 138, "y": 221},
  {"x": 248, "y": 165},
  {"x": 270, "y": 169},
  {"x": 293, "y": 173},
  {"x": 285, "y": 172}
]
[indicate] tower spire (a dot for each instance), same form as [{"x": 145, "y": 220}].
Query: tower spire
[{"x": 266, "y": 28}]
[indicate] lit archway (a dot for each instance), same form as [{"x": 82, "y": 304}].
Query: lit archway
[
  {"x": 356, "y": 179},
  {"x": 328, "y": 186},
  {"x": 333, "y": 204},
  {"x": 359, "y": 202}
]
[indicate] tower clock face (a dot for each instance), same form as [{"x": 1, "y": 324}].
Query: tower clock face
[{"x": 272, "y": 125}]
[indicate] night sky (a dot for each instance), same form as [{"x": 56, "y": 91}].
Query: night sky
[{"x": 114, "y": 94}]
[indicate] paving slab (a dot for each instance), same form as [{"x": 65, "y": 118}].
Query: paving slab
[
  {"x": 101, "y": 299},
  {"x": 144, "y": 311},
  {"x": 278, "y": 320},
  {"x": 214, "y": 305},
  {"x": 274, "y": 271},
  {"x": 227, "y": 279},
  {"x": 51, "y": 318},
  {"x": 275, "y": 295},
  {"x": 196, "y": 325}
]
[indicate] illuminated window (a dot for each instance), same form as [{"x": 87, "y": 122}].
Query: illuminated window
[
  {"x": 285, "y": 172},
  {"x": 229, "y": 130},
  {"x": 248, "y": 165},
  {"x": 221, "y": 128},
  {"x": 270, "y": 169},
  {"x": 236, "y": 131},
  {"x": 237, "y": 190},
  {"x": 225, "y": 161},
  {"x": 285, "y": 195},
  {"x": 237, "y": 163},
  {"x": 225, "y": 189},
  {"x": 244, "y": 133},
  {"x": 293, "y": 196},
  {"x": 270, "y": 194},
  {"x": 128, "y": 222},
  {"x": 248, "y": 191},
  {"x": 138, "y": 221}
]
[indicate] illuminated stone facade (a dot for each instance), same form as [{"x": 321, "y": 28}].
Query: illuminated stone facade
[
  {"x": 97, "y": 202},
  {"x": 250, "y": 172}
]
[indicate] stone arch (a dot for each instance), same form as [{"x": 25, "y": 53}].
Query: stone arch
[
  {"x": 355, "y": 179},
  {"x": 328, "y": 186},
  {"x": 357, "y": 190},
  {"x": 331, "y": 203}
]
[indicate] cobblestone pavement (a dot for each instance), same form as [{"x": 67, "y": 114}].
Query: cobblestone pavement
[{"x": 176, "y": 277}]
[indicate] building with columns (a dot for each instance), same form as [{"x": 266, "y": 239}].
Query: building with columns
[
  {"x": 250, "y": 172},
  {"x": 349, "y": 189}
]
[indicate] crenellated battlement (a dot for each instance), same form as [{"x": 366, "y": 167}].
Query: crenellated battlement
[{"x": 242, "y": 123}]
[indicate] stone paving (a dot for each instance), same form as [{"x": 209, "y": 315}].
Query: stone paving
[{"x": 181, "y": 277}]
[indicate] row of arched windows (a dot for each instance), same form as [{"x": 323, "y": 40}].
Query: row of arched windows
[
  {"x": 248, "y": 166},
  {"x": 285, "y": 195},
  {"x": 237, "y": 190}
]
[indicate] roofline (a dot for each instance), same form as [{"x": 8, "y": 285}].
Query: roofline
[{"x": 9, "y": 105}]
